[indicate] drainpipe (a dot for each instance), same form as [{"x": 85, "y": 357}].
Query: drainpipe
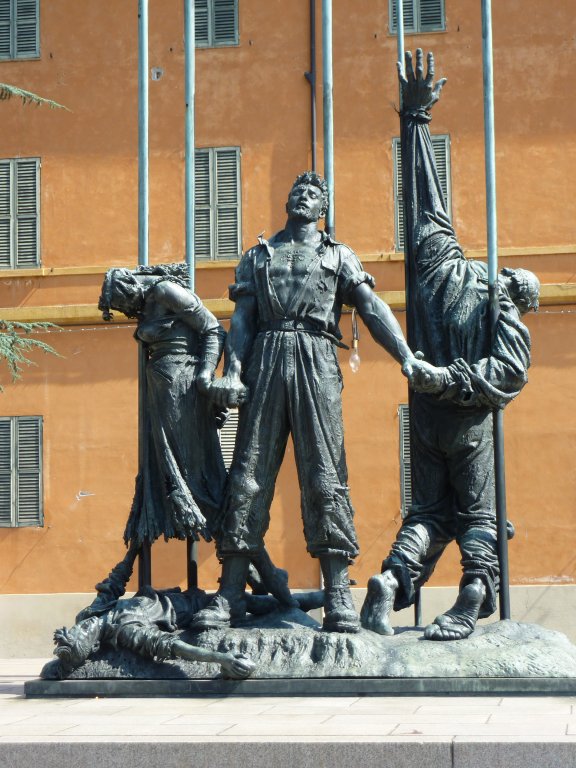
[
  {"x": 144, "y": 556},
  {"x": 492, "y": 239},
  {"x": 311, "y": 77}
]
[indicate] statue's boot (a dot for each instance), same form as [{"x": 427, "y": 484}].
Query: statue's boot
[
  {"x": 228, "y": 604},
  {"x": 265, "y": 578},
  {"x": 339, "y": 612}
]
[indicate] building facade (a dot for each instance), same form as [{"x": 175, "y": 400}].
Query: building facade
[{"x": 68, "y": 211}]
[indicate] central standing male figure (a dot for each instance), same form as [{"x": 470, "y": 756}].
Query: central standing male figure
[{"x": 281, "y": 367}]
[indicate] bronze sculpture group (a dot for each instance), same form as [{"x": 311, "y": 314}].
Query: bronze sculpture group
[{"x": 281, "y": 370}]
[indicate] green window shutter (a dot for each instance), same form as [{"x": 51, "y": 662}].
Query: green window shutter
[
  {"x": 227, "y": 209},
  {"x": 409, "y": 13},
  {"x": 441, "y": 149},
  {"x": 228, "y": 437},
  {"x": 28, "y": 456},
  {"x": 398, "y": 195},
  {"x": 5, "y": 29},
  {"x": 217, "y": 205},
  {"x": 27, "y": 42},
  {"x": 202, "y": 23},
  {"x": 20, "y": 471},
  {"x": 202, "y": 207},
  {"x": 5, "y": 215},
  {"x": 432, "y": 15},
  {"x": 225, "y": 22},
  {"x": 27, "y": 173},
  {"x": 5, "y": 472},
  {"x": 405, "y": 467}
]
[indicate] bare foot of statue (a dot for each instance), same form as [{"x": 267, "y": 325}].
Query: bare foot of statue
[
  {"x": 460, "y": 620},
  {"x": 379, "y": 602}
]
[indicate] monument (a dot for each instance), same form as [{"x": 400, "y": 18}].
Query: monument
[{"x": 281, "y": 370}]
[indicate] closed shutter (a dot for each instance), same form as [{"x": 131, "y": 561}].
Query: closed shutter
[
  {"x": 405, "y": 468},
  {"x": 227, "y": 213},
  {"x": 21, "y": 471},
  {"x": 28, "y": 504},
  {"x": 5, "y": 29},
  {"x": 27, "y": 213},
  {"x": 409, "y": 13},
  {"x": 202, "y": 25},
  {"x": 398, "y": 194},
  {"x": 5, "y": 215},
  {"x": 5, "y": 473},
  {"x": 202, "y": 208},
  {"x": 217, "y": 205},
  {"x": 228, "y": 437},
  {"x": 441, "y": 149},
  {"x": 432, "y": 15},
  {"x": 225, "y": 22},
  {"x": 27, "y": 38}
]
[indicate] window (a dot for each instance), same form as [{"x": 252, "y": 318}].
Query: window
[
  {"x": 441, "y": 147},
  {"x": 217, "y": 208},
  {"x": 19, "y": 219},
  {"x": 21, "y": 471},
  {"x": 419, "y": 15},
  {"x": 228, "y": 437},
  {"x": 405, "y": 469},
  {"x": 19, "y": 29},
  {"x": 216, "y": 23}
]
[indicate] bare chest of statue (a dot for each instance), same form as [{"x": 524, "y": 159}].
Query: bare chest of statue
[{"x": 290, "y": 266}]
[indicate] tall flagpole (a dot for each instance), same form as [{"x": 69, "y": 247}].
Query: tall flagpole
[
  {"x": 189, "y": 200},
  {"x": 328, "y": 109},
  {"x": 492, "y": 235},
  {"x": 144, "y": 558},
  {"x": 407, "y": 279}
]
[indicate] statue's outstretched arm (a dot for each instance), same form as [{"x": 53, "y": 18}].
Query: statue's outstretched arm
[
  {"x": 380, "y": 321},
  {"x": 424, "y": 207}
]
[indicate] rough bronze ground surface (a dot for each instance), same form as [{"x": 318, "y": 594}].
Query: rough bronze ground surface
[{"x": 291, "y": 645}]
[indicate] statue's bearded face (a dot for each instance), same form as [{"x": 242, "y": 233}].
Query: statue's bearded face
[{"x": 305, "y": 202}]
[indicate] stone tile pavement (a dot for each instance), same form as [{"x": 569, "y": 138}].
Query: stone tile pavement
[{"x": 456, "y": 732}]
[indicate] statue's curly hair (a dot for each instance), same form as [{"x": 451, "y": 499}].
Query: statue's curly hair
[
  {"x": 176, "y": 273},
  {"x": 528, "y": 296},
  {"x": 311, "y": 177}
]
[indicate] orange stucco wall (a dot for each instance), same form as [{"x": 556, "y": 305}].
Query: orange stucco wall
[{"x": 255, "y": 96}]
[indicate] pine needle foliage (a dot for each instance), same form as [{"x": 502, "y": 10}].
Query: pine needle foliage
[
  {"x": 8, "y": 91},
  {"x": 16, "y": 342}
]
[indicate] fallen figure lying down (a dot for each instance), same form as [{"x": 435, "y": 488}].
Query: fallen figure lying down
[{"x": 146, "y": 624}]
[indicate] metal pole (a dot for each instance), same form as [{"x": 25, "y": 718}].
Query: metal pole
[
  {"x": 311, "y": 77},
  {"x": 189, "y": 202},
  {"x": 144, "y": 557},
  {"x": 407, "y": 279},
  {"x": 143, "y": 209},
  {"x": 190, "y": 92},
  {"x": 400, "y": 30},
  {"x": 328, "y": 104},
  {"x": 492, "y": 233}
]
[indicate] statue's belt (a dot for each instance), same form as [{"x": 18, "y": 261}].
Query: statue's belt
[{"x": 299, "y": 326}]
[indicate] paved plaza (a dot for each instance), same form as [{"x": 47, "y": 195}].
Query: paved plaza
[{"x": 457, "y": 732}]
